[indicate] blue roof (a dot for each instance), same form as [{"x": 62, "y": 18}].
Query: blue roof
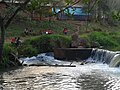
[{"x": 72, "y": 10}]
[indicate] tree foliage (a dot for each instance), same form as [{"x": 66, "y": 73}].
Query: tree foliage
[
  {"x": 38, "y": 6},
  {"x": 103, "y": 10},
  {"x": 116, "y": 15},
  {"x": 6, "y": 16},
  {"x": 100, "y": 9},
  {"x": 45, "y": 7}
]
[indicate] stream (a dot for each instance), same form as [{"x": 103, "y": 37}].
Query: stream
[
  {"x": 82, "y": 77},
  {"x": 90, "y": 76}
]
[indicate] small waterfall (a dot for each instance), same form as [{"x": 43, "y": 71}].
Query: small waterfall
[
  {"x": 106, "y": 56},
  {"x": 115, "y": 62},
  {"x": 43, "y": 59}
]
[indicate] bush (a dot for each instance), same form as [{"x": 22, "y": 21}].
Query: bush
[
  {"x": 27, "y": 50},
  {"x": 115, "y": 35},
  {"x": 116, "y": 48},
  {"x": 7, "y": 50},
  {"x": 46, "y": 43},
  {"x": 104, "y": 39},
  {"x": 87, "y": 40}
]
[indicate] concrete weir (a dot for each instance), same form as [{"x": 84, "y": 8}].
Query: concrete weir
[{"x": 72, "y": 53}]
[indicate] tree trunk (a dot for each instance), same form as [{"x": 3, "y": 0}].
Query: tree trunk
[
  {"x": 4, "y": 26},
  {"x": 2, "y": 39}
]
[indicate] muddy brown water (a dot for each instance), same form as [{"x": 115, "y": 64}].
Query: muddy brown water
[{"x": 81, "y": 77}]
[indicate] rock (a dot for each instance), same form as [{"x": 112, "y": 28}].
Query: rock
[{"x": 82, "y": 63}]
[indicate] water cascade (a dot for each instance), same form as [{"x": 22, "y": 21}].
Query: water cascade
[
  {"x": 97, "y": 55},
  {"x": 109, "y": 57},
  {"x": 115, "y": 62},
  {"x": 45, "y": 59},
  {"x": 89, "y": 76}
]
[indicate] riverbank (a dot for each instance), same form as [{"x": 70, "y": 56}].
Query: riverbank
[{"x": 105, "y": 36}]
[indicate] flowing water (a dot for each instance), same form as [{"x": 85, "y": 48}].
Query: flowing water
[{"x": 91, "y": 76}]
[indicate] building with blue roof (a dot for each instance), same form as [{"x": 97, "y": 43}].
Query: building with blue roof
[{"x": 75, "y": 13}]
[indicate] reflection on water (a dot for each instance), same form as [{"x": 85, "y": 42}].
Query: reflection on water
[{"x": 82, "y": 77}]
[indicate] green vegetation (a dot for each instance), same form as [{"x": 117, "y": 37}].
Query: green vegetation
[
  {"x": 104, "y": 28},
  {"x": 33, "y": 46},
  {"x": 104, "y": 39},
  {"x": 45, "y": 43},
  {"x": 27, "y": 51},
  {"x": 6, "y": 51},
  {"x": 17, "y": 29},
  {"x": 108, "y": 37}
]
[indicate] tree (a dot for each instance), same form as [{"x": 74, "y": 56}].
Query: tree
[
  {"x": 40, "y": 6},
  {"x": 106, "y": 9},
  {"x": 6, "y": 16}
]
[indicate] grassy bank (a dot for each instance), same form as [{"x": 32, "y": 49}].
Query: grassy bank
[
  {"x": 103, "y": 34},
  {"x": 31, "y": 47},
  {"x": 108, "y": 37},
  {"x": 17, "y": 28}
]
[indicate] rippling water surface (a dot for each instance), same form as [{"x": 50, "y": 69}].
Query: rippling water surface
[{"x": 82, "y": 77}]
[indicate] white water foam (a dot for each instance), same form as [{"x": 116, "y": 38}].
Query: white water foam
[{"x": 42, "y": 59}]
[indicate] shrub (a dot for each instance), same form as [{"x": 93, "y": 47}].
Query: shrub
[
  {"x": 7, "y": 50},
  {"x": 103, "y": 39},
  {"x": 46, "y": 43},
  {"x": 116, "y": 48},
  {"x": 87, "y": 40},
  {"x": 27, "y": 50},
  {"x": 115, "y": 35}
]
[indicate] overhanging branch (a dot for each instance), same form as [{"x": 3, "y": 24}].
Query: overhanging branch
[
  {"x": 16, "y": 11},
  {"x": 66, "y": 8}
]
